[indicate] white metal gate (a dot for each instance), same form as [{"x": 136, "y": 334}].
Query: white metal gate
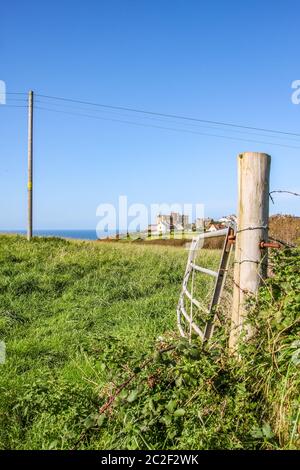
[{"x": 186, "y": 323}]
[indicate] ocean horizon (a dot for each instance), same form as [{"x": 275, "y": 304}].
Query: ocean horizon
[{"x": 80, "y": 234}]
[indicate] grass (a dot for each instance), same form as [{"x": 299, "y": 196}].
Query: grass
[
  {"x": 65, "y": 309},
  {"x": 80, "y": 318}
]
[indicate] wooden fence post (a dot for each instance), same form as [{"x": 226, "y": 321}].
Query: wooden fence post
[{"x": 252, "y": 228}]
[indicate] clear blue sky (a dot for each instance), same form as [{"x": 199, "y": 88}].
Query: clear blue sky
[{"x": 228, "y": 61}]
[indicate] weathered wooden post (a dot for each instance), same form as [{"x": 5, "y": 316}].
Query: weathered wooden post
[{"x": 252, "y": 229}]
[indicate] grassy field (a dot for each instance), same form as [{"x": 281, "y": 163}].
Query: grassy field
[
  {"x": 81, "y": 318},
  {"x": 67, "y": 309}
]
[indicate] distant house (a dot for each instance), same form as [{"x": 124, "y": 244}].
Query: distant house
[
  {"x": 175, "y": 222},
  {"x": 161, "y": 228},
  {"x": 207, "y": 223},
  {"x": 164, "y": 227},
  {"x": 215, "y": 226}
]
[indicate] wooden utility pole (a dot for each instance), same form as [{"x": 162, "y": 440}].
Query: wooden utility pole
[
  {"x": 30, "y": 157},
  {"x": 252, "y": 229}
]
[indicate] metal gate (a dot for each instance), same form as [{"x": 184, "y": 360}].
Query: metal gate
[{"x": 186, "y": 323}]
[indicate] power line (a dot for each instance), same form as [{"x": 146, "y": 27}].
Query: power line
[
  {"x": 173, "y": 116},
  {"x": 166, "y": 128},
  {"x": 153, "y": 118},
  {"x": 166, "y": 115},
  {"x": 13, "y": 106},
  {"x": 176, "y": 116},
  {"x": 24, "y": 100}
]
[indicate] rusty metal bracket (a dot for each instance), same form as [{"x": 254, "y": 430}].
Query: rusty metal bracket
[
  {"x": 264, "y": 244},
  {"x": 232, "y": 239}
]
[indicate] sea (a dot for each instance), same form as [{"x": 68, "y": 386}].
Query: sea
[{"x": 78, "y": 234}]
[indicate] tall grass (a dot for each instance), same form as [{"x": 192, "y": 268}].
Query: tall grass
[
  {"x": 66, "y": 308},
  {"x": 79, "y": 318}
]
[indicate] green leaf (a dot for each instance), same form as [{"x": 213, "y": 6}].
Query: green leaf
[
  {"x": 167, "y": 419},
  {"x": 194, "y": 353},
  {"x": 123, "y": 394},
  {"x": 157, "y": 356},
  {"x": 179, "y": 412},
  {"x": 89, "y": 422},
  {"x": 178, "y": 381},
  {"x": 132, "y": 396},
  {"x": 53, "y": 445},
  {"x": 267, "y": 431},
  {"x": 100, "y": 420},
  {"x": 296, "y": 357},
  {"x": 171, "y": 406},
  {"x": 151, "y": 405},
  {"x": 257, "y": 433}
]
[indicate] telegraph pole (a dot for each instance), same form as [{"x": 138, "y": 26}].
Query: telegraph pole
[{"x": 30, "y": 161}]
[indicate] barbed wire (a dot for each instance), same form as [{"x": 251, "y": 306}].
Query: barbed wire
[
  {"x": 282, "y": 191},
  {"x": 288, "y": 245},
  {"x": 252, "y": 228}
]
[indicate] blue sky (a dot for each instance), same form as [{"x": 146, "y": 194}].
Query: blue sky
[{"x": 223, "y": 61}]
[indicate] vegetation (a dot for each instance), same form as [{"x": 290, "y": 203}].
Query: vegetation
[
  {"x": 286, "y": 228},
  {"x": 86, "y": 324}
]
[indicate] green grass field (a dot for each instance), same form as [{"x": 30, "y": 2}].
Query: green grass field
[
  {"x": 80, "y": 318},
  {"x": 66, "y": 308}
]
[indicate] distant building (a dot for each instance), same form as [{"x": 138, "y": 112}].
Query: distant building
[
  {"x": 215, "y": 226},
  {"x": 228, "y": 219},
  {"x": 207, "y": 223},
  {"x": 173, "y": 220},
  {"x": 176, "y": 222},
  {"x": 199, "y": 224},
  {"x": 163, "y": 227},
  {"x": 163, "y": 218},
  {"x": 184, "y": 220}
]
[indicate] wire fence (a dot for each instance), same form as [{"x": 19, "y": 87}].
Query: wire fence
[{"x": 189, "y": 321}]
